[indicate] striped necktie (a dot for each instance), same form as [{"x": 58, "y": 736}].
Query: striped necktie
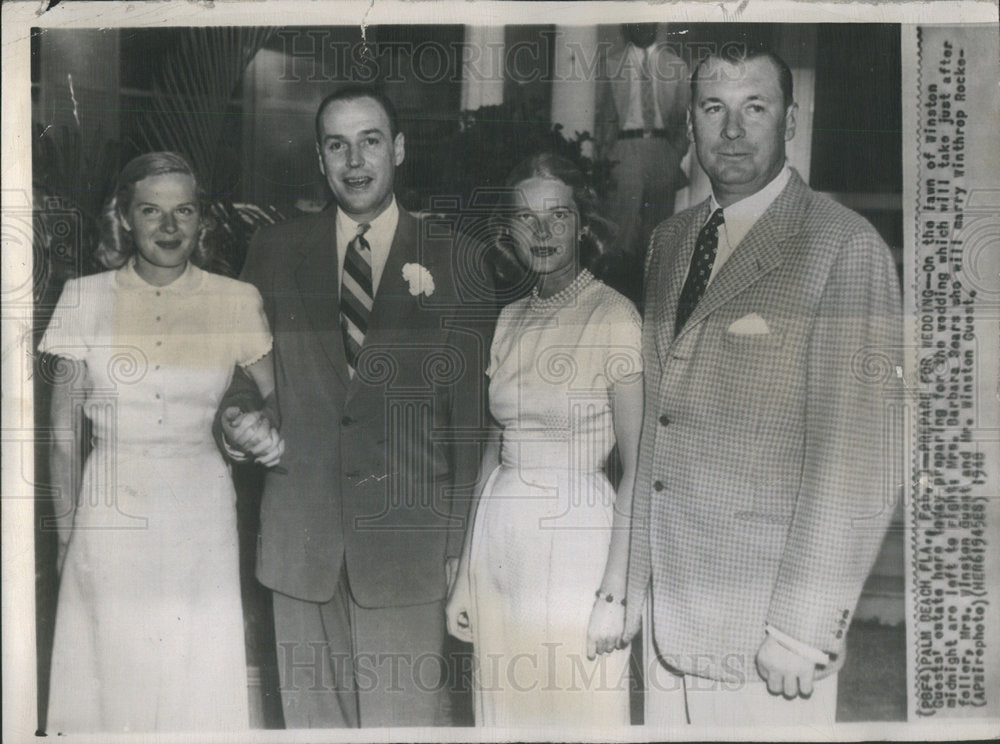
[
  {"x": 700, "y": 269},
  {"x": 356, "y": 295}
]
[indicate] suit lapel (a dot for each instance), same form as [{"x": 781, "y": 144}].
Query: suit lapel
[
  {"x": 673, "y": 270},
  {"x": 392, "y": 295},
  {"x": 316, "y": 277},
  {"x": 757, "y": 254}
]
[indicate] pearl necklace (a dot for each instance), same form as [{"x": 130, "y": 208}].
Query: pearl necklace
[{"x": 570, "y": 292}]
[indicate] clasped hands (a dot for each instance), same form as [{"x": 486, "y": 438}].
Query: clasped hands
[{"x": 252, "y": 434}]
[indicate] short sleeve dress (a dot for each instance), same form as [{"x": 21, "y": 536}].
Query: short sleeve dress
[
  {"x": 149, "y": 623},
  {"x": 543, "y": 526}
]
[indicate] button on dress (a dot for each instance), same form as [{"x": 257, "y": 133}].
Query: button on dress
[{"x": 149, "y": 623}]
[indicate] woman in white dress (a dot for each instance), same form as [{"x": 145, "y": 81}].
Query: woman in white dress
[
  {"x": 149, "y": 623},
  {"x": 540, "y": 584}
]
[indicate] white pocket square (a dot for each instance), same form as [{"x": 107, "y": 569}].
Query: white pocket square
[{"x": 749, "y": 325}]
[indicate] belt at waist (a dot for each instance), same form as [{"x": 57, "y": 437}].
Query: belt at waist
[
  {"x": 643, "y": 133},
  {"x": 573, "y": 457}
]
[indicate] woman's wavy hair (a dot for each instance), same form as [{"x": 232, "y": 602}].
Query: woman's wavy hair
[
  {"x": 596, "y": 231},
  {"x": 116, "y": 244}
]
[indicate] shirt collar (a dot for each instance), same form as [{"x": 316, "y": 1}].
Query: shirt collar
[
  {"x": 750, "y": 208},
  {"x": 382, "y": 229}
]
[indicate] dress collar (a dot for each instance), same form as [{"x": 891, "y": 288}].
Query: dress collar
[{"x": 128, "y": 278}]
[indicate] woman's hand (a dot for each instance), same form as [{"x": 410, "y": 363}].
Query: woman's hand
[
  {"x": 457, "y": 609},
  {"x": 632, "y": 629},
  {"x": 252, "y": 433},
  {"x": 607, "y": 624},
  {"x": 607, "y": 630}
]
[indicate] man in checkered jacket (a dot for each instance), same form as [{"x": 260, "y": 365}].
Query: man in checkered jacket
[{"x": 771, "y": 331}]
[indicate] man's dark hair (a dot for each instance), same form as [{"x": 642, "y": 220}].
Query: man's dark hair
[
  {"x": 354, "y": 93},
  {"x": 746, "y": 53}
]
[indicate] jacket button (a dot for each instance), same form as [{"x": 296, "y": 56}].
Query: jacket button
[
  {"x": 658, "y": 486},
  {"x": 346, "y": 421},
  {"x": 840, "y": 634},
  {"x": 664, "y": 420}
]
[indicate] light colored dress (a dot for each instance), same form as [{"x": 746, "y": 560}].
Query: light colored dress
[
  {"x": 149, "y": 623},
  {"x": 543, "y": 525}
]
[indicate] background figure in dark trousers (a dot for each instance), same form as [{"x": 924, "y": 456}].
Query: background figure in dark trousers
[
  {"x": 377, "y": 369},
  {"x": 642, "y": 98}
]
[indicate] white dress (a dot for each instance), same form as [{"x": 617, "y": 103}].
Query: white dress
[
  {"x": 543, "y": 526},
  {"x": 149, "y": 623}
]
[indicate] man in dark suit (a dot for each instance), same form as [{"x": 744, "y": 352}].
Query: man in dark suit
[
  {"x": 379, "y": 389},
  {"x": 642, "y": 97},
  {"x": 770, "y": 348}
]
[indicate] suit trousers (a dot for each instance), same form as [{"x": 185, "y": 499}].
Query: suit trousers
[
  {"x": 672, "y": 699},
  {"x": 342, "y": 665}
]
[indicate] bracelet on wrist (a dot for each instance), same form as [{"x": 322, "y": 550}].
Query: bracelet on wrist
[{"x": 607, "y": 597}]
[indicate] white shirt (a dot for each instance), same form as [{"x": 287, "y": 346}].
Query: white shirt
[
  {"x": 741, "y": 216},
  {"x": 633, "y": 119},
  {"x": 379, "y": 237}
]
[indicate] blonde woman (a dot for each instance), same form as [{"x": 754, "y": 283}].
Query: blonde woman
[{"x": 149, "y": 624}]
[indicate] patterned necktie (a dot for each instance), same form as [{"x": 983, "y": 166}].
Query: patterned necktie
[
  {"x": 700, "y": 269},
  {"x": 646, "y": 93},
  {"x": 356, "y": 295}
]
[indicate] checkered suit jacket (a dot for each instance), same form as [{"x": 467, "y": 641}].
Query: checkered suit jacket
[{"x": 762, "y": 493}]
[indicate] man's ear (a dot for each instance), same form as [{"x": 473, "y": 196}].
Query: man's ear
[
  {"x": 319, "y": 157},
  {"x": 690, "y": 126},
  {"x": 399, "y": 149},
  {"x": 790, "y": 121}
]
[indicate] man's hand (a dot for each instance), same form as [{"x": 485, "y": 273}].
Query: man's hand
[
  {"x": 253, "y": 434},
  {"x": 786, "y": 672}
]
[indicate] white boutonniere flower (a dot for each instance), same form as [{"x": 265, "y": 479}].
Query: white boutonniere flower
[{"x": 419, "y": 279}]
